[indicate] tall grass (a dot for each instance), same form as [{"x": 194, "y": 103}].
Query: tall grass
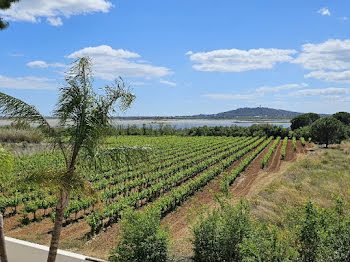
[{"x": 13, "y": 135}]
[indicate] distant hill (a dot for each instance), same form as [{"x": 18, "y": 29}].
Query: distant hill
[
  {"x": 240, "y": 113},
  {"x": 252, "y": 112}
]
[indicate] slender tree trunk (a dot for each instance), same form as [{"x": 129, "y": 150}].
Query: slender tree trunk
[
  {"x": 3, "y": 255},
  {"x": 56, "y": 233}
]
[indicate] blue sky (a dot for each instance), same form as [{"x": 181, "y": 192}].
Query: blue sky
[{"x": 187, "y": 56}]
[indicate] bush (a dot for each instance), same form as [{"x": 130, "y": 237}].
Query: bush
[
  {"x": 218, "y": 234},
  {"x": 309, "y": 234},
  {"x": 142, "y": 239},
  {"x": 323, "y": 235},
  {"x": 266, "y": 243}
]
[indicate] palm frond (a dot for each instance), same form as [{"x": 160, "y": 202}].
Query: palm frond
[
  {"x": 15, "y": 108},
  {"x": 12, "y": 107},
  {"x": 55, "y": 180}
]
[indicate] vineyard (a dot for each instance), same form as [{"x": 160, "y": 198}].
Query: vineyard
[{"x": 176, "y": 169}]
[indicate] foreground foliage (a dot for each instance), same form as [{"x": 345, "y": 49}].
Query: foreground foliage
[
  {"x": 142, "y": 238},
  {"x": 308, "y": 234}
]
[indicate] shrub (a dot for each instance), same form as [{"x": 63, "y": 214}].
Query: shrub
[
  {"x": 218, "y": 234},
  {"x": 266, "y": 243},
  {"x": 142, "y": 239}
]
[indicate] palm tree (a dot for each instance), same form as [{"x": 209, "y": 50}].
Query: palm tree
[{"x": 83, "y": 117}]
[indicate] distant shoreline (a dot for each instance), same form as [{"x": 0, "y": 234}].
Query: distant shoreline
[{"x": 180, "y": 123}]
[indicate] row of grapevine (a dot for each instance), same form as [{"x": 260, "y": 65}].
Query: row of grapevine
[
  {"x": 269, "y": 153},
  {"x": 228, "y": 179},
  {"x": 284, "y": 148},
  {"x": 294, "y": 144}
]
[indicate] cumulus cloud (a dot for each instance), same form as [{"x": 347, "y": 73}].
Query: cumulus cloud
[
  {"x": 325, "y": 92},
  {"x": 43, "y": 64},
  {"x": 333, "y": 76},
  {"x": 333, "y": 54},
  {"x": 29, "y": 82},
  {"x": 324, "y": 11},
  {"x": 53, "y": 10},
  {"x": 281, "y": 87},
  {"x": 109, "y": 63},
  {"x": 165, "y": 82},
  {"x": 235, "y": 60}
]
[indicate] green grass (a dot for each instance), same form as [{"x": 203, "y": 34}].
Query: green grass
[{"x": 319, "y": 177}]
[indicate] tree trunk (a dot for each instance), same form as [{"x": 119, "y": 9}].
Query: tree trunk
[
  {"x": 3, "y": 255},
  {"x": 61, "y": 207}
]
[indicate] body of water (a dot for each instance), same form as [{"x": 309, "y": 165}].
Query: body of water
[{"x": 181, "y": 123}]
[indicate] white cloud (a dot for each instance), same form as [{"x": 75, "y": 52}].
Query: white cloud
[
  {"x": 53, "y": 10},
  {"x": 233, "y": 97},
  {"x": 324, "y": 11},
  {"x": 334, "y": 76},
  {"x": 29, "y": 82},
  {"x": 103, "y": 50},
  {"x": 43, "y": 64},
  {"x": 55, "y": 21},
  {"x": 165, "y": 82},
  {"x": 40, "y": 64},
  {"x": 235, "y": 60},
  {"x": 325, "y": 92},
  {"x": 281, "y": 87},
  {"x": 137, "y": 83},
  {"x": 109, "y": 63},
  {"x": 333, "y": 54}
]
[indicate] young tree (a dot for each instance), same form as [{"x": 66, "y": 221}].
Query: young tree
[
  {"x": 83, "y": 117},
  {"x": 5, "y": 4},
  {"x": 327, "y": 130}
]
